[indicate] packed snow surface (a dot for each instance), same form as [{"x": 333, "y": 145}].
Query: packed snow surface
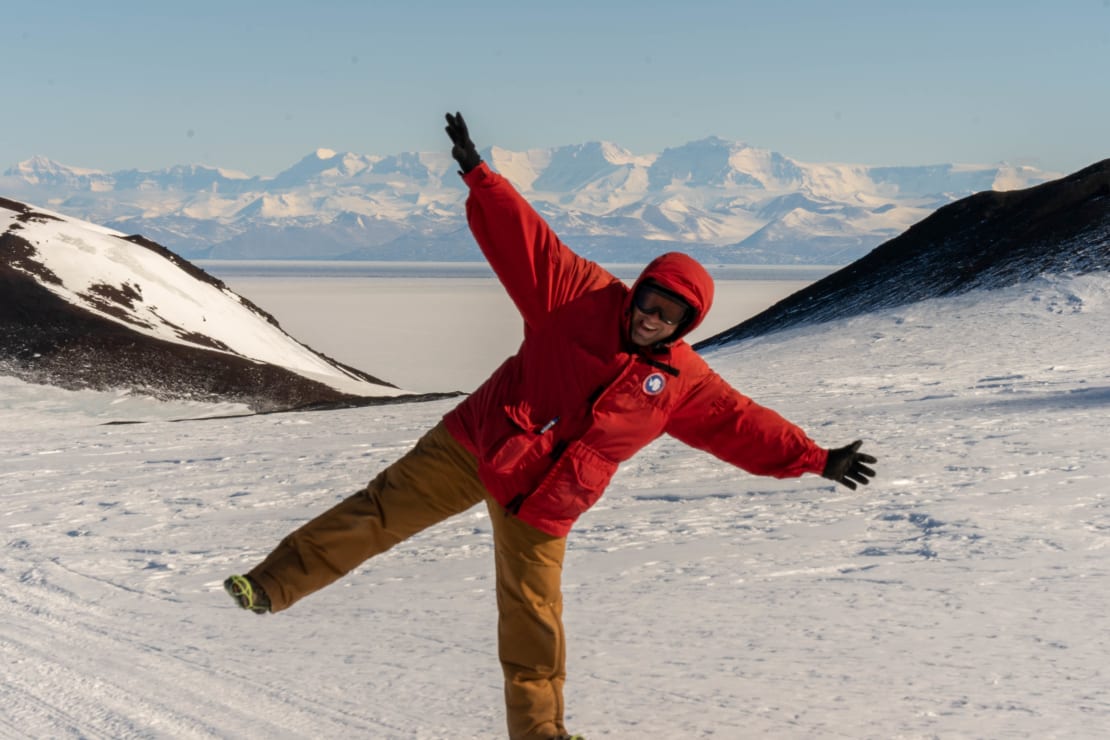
[{"x": 964, "y": 594}]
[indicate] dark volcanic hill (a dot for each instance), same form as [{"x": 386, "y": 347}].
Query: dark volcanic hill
[
  {"x": 82, "y": 306},
  {"x": 988, "y": 240}
]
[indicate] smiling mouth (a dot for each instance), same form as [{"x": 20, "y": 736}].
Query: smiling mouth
[{"x": 644, "y": 331}]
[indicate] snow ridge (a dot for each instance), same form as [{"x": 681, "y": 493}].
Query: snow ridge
[
  {"x": 989, "y": 240},
  {"x": 87, "y": 306}
]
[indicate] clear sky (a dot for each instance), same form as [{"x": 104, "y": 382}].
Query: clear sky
[{"x": 254, "y": 86}]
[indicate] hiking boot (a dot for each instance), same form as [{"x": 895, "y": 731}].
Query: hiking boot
[{"x": 247, "y": 594}]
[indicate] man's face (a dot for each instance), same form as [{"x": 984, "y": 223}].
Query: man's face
[{"x": 655, "y": 317}]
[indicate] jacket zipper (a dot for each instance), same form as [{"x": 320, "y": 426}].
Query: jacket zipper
[{"x": 513, "y": 507}]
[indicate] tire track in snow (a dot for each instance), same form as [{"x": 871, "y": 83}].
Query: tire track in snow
[{"x": 58, "y": 640}]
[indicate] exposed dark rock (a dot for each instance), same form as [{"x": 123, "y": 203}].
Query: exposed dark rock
[{"x": 20, "y": 253}]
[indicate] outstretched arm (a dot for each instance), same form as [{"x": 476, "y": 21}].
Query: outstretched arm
[
  {"x": 539, "y": 272},
  {"x": 724, "y": 422}
]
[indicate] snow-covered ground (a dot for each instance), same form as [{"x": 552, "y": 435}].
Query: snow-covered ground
[{"x": 964, "y": 594}]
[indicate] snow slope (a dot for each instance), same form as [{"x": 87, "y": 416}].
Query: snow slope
[
  {"x": 133, "y": 283},
  {"x": 964, "y": 594},
  {"x": 988, "y": 240}
]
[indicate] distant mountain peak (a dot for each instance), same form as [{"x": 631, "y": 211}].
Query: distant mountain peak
[{"x": 40, "y": 169}]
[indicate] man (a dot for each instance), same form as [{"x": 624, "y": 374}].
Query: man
[{"x": 602, "y": 371}]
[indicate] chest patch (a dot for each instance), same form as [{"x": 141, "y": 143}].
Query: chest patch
[{"x": 654, "y": 384}]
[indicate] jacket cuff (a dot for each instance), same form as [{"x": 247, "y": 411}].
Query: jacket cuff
[
  {"x": 821, "y": 459},
  {"x": 477, "y": 175}
]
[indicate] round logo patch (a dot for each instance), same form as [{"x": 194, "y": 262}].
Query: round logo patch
[{"x": 654, "y": 384}]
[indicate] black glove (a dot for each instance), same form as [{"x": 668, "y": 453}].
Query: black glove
[
  {"x": 463, "y": 150},
  {"x": 846, "y": 466}
]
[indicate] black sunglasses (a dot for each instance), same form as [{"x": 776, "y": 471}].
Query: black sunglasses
[{"x": 668, "y": 308}]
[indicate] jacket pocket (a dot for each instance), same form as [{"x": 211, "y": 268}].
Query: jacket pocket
[
  {"x": 574, "y": 483},
  {"x": 525, "y": 442}
]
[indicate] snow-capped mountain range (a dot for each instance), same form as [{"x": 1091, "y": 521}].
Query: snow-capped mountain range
[{"x": 722, "y": 201}]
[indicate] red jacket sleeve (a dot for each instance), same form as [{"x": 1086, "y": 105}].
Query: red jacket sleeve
[
  {"x": 539, "y": 272},
  {"x": 720, "y": 420}
]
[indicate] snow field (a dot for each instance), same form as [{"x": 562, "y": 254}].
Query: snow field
[{"x": 963, "y": 594}]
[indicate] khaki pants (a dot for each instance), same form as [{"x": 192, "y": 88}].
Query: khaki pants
[{"x": 435, "y": 480}]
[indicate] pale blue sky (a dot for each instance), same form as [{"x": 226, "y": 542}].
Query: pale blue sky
[{"x": 255, "y": 86}]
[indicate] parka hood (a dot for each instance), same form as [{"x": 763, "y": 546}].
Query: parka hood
[{"x": 684, "y": 276}]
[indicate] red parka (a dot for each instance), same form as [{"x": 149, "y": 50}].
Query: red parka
[{"x": 551, "y": 425}]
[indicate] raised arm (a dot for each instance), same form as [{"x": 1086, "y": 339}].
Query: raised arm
[{"x": 539, "y": 272}]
